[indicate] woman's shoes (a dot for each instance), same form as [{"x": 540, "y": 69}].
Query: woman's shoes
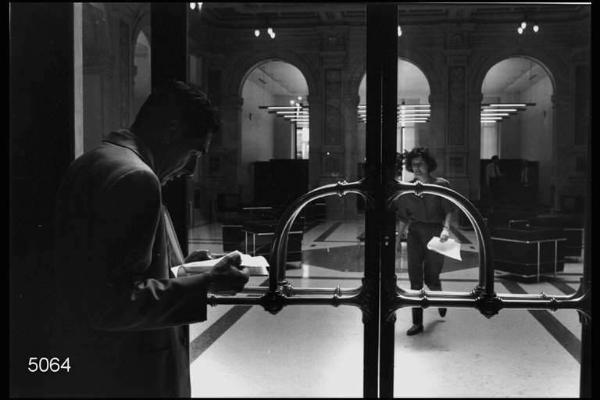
[
  {"x": 442, "y": 311},
  {"x": 415, "y": 329}
]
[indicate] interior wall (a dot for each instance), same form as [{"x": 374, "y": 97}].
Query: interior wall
[
  {"x": 282, "y": 133},
  {"x": 258, "y": 128},
  {"x": 108, "y": 53},
  {"x": 96, "y": 47},
  {"x": 489, "y": 135},
  {"x": 537, "y": 137},
  {"x": 93, "y": 110},
  {"x": 509, "y": 130}
]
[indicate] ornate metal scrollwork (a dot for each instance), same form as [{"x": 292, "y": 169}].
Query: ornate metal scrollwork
[
  {"x": 488, "y": 306},
  {"x": 273, "y": 302},
  {"x": 281, "y": 293},
  {"x": 389, "y": 294},
  {"x": 367, "y": 299}
]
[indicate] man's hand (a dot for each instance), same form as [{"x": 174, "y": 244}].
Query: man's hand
[
  {"x": 228, "y": 276},
  {"x": 199, "y": 255},
  {"x": 444, "y": 235}
]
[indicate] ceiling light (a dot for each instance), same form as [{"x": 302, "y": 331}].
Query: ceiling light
[
  {"x": 256, "y": 33},
  {"x": 192, "y": 6},
  {"x": 523, "y": 25},
  {"x": 282, "y": 107},
  {"x": 399, "y": 31},
  {"x": 499, "y": 109},
  {"x": 199, "y": 6},
  {"x": 520, "y": 30},
  {"x": 536, "y": 28}
]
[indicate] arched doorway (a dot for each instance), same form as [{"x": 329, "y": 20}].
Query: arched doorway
[
  {"x": 142, "y": 85},
  {"x": 413, "y": 110},
  {"x": 517, "y": 126},
  {"x": 274, "y": 121}
]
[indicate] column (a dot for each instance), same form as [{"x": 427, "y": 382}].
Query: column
[
  {"x": 333, "y": 143},
  {"x": 459, "y": 157},
  {"x": 168, "y": 24}
]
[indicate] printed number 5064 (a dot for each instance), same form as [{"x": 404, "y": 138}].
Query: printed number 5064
[{"x": 43, "y": 364}]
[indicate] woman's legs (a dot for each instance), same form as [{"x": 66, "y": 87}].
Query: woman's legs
[{"x": 415, "y": 256}]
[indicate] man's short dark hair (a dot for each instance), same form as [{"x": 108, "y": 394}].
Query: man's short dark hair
[
  {"x": 196, "y": 108},
  {"x": 422, "y": 152}
]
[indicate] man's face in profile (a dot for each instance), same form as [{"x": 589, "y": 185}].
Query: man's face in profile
[{"x": 187, "y": 150}]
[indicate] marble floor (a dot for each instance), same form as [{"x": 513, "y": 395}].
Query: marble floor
[{"x": 317, "y": 351}]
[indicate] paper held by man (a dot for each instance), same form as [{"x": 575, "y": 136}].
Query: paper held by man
[
  {"x": 257, "y": 265},
  {"x": 449, "y": 248}
]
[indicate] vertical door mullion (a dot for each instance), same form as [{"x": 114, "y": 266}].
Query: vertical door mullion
[
  {"x": 380, "y": 278},
  {"x": 372, "y": 218},
  {"x": 389, "y": 77}
]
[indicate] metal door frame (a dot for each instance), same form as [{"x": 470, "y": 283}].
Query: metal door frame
[{"x": 379, "y": 296}]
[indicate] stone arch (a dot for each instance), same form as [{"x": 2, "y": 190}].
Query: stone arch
[
  {"x": 552, "y": 65},
  {"x": 245, "y": 63},
  {"x": 247, "y": 149},
  {"x": 555, "y": 68},
  {"x": 434, "y": 78},
  {"x": 141, "y": 23},
  {"x": 427, "y": 66}
]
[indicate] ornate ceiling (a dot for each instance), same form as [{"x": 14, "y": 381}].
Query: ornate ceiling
[{"x": 248, "y": 14}]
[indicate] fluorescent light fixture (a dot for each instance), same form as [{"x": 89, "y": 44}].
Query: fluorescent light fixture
[
  {"x": 508, "y": 105},
  {"x": 499, "y": 110},
  {"x": 282, "y": 107},
  {"x": 486, "y": 114}
]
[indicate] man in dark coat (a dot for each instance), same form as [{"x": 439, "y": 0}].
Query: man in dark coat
[{"x": 122, "y": 315}]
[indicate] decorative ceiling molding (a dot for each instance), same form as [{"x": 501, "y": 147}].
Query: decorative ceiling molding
[{"x": 295, "y": 15}]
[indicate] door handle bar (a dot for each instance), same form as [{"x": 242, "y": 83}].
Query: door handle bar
[
  {"x": 280, "y": 293},
  {"x": 483, "y": 296}
]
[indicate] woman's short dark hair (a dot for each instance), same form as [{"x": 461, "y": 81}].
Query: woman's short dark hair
[
  {"x": 422, "y": 152},
  {"x": 196, "y": 108}
]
